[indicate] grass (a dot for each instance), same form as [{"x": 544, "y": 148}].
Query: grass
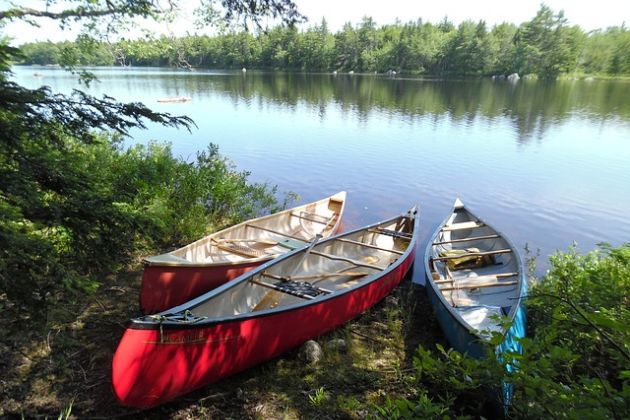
[{"x": 64, "y": 366}]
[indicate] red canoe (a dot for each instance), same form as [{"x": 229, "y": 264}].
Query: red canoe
[
  {"x": 262, "y": 314},
  {"x": 181, "y": 275}
]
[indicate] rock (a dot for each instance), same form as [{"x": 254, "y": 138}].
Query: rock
[
  {"x": 498, "y": 77},
  {"x": 311, "y": 352},
  {"x": 589, "y": 79},
  {"x": 259, "y": 408},
  {"x": 338, "y": 344},
  {"x": 513, "y": 77},
  {"x": 351, "y": 72},
  {"x": 391, "y": 301}
]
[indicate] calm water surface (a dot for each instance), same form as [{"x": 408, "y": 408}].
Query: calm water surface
[{"x": 547, "y": 164}]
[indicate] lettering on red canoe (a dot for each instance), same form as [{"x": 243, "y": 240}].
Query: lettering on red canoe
[{"x": 193, "y": 337}]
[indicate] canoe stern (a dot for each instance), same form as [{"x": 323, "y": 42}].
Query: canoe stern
[{"x": 164, "y": 287}]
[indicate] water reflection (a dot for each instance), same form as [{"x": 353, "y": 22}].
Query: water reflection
[
  {"x": 532, "y": 106},
  {"x": 546, "y": 163}
]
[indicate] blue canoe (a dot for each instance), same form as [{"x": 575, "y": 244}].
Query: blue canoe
[{"x": 473, "y": 274}]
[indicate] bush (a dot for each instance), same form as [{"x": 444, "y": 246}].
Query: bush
[
  {"x": 575, "y": 361},
  {"x": 72, "y": 211}
]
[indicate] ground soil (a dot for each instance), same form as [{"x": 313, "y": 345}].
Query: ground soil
[{"x": 61, "y": 364}]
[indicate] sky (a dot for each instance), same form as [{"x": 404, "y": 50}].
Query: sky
[{"x": 588, "y": 14}]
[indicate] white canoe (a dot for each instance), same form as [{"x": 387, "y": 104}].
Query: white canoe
[{"x": 176, "y": 277}]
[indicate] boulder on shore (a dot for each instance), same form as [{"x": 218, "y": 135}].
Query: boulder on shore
[
  {"x": 513, "y": 77},
  {"x": 311, "y": 352},
  {"x": 338, "y": 344}
]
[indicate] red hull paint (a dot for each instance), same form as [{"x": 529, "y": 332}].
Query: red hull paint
[
  {"x": 148, "y": 370},
  {"x": 164, "y": 287}
]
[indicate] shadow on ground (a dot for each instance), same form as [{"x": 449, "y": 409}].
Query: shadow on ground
[{"x": 63, "y": 362}]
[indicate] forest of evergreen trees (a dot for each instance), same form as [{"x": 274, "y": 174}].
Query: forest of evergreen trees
[{"x": 546, "y": 46}]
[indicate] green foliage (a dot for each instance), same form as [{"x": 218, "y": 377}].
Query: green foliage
[
  {"x": 73, "y": 204},
  {"x": 72, "y": 211},
  {"x": 420, "y": 408},
  {"x": 546, "y": 45},
  {"x": 318, "y": 398},
  {"x": 575, "y": 361},
  {"x": 607, "y": 52}
]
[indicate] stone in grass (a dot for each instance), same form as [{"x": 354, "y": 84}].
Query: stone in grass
[
  {"x": 392, "y": 300},
  {"x": 337, "y": 344},
  {"x": 311, "y": 352}
]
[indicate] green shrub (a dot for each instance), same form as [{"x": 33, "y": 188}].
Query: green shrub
[
  {"x": 70, "y": 212},
  {"x": 575, "y": 361}
]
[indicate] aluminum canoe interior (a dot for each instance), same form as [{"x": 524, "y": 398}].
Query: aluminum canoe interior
[
  {"x": 262, "y": 238},
  {"x": 475, "y": 296},
  {"x": 329, "y": 267}
]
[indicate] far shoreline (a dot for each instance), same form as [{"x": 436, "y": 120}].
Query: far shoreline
[{"x": 396, "y": 76}]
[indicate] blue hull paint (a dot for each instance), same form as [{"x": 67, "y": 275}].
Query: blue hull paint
[
  {"x": 463, "y": 341},
  {"x": 457, "y": 335}
]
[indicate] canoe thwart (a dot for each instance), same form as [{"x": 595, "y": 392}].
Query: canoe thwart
[
  {"x": 316, "y": 276},
  {"x": 479, "y": 286},
  {"x": 235, "y": 248},
  {"x": 473, "y": 254},
  {"x": 472, "y": 238},
  {"x": 246, "y": 240},
  {"x": 315, "y": 218},
  {"x": 393, "y": 233},
  {"x": 348, "y": 260},
  {"x": 462, "y": 226},
  {"x": 478, "y": 278},
  {"x": 350, "y": 241},
  {"x": 286, "y": 235}
]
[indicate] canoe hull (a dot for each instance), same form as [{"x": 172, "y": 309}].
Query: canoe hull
[
  {"x": 459, "y": 335},
  {"x": 174, "y": 280},
  {"x": 165, "y": 287},
  {"x": 460, "y": 338},
  {"x": 151, "y": 367}
]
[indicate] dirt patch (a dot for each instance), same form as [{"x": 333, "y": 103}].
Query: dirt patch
[{"x": 63, "y": 364}]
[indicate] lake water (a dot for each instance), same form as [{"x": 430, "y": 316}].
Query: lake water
[{"x": 545, "y": 163}]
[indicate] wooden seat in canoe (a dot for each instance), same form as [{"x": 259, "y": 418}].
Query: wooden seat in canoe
[{"x": 462, "y": 226}]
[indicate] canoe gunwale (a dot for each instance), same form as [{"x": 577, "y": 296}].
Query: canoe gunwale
[
  {"x": 157, "y": 321},
  {"x": 428, "y": 259},
  {"x": 209, "y": 264}
]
